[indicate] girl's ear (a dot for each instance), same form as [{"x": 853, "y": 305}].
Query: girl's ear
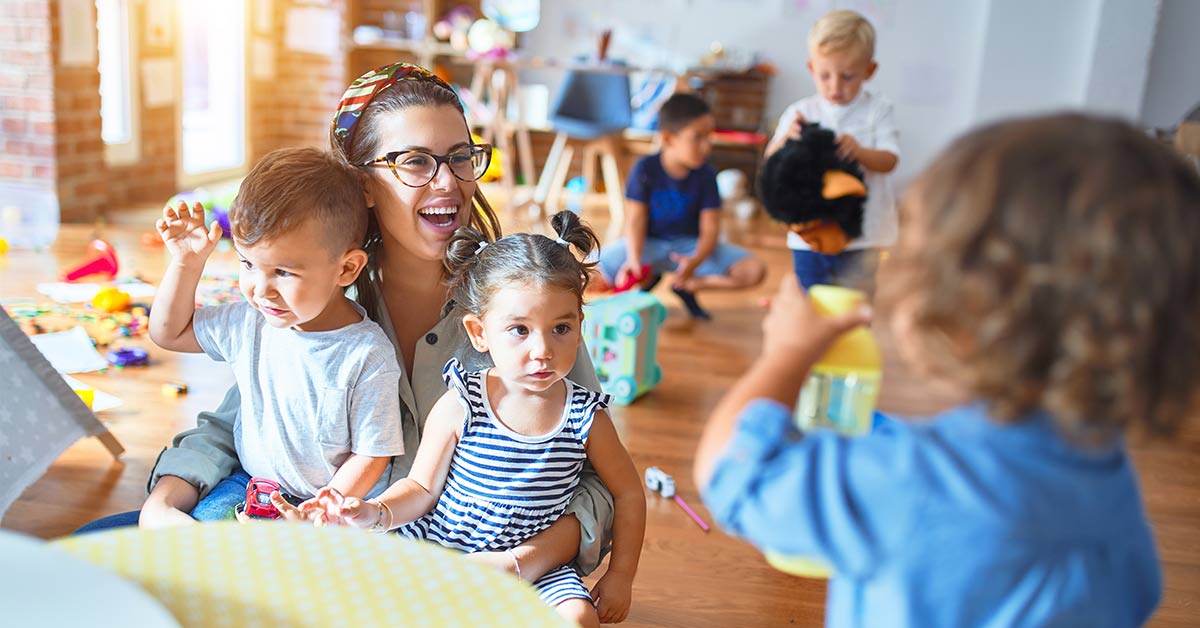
[
  {"x": 353, "y": 263},
  {"x": 474, "y": 328}
]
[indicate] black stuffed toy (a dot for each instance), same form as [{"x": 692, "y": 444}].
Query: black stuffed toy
[{"x": 818, "y": 194}]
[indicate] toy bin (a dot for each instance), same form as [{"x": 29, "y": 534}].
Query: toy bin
[{"x": 621, "y": 333}]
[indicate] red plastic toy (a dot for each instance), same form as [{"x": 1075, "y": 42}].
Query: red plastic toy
[
  {"x": 258, "y": 498},
  {"x": 633, "y": 279},
  {"x": 101, "y": 260}
]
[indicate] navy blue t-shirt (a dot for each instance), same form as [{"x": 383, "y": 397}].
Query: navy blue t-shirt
[{"x": 674, "y": 204}]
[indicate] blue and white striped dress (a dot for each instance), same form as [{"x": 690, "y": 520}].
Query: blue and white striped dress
[{"x": 504, "y": 487}]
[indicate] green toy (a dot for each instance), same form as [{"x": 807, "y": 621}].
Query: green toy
[{"x": 621, "y": 333}]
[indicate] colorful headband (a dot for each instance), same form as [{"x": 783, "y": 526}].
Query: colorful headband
[{"x": 360, "y": 93}]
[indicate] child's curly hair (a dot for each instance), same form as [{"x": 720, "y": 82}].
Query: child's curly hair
[
  {"x": 474, "y": 273},
  {"x": 1052, "y": 263}
]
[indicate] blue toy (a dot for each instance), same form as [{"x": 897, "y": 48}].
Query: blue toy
[{"x": 621, "y": 333}]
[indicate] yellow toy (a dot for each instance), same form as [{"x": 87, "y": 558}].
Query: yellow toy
[{"x": 111, "y": 300}]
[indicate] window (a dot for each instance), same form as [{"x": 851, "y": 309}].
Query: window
[
  {"x": 118, "y": 81},
  {"x": 213, "y": 115}
]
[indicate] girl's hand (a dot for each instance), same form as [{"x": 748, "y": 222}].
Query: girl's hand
[
  {"x": 183, "y": 231},
  {"x": 613, "y": 594},
  {"x": 794, "y": 323}
]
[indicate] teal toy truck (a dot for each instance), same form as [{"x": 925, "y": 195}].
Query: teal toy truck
[{"x": 621, "y": 333}]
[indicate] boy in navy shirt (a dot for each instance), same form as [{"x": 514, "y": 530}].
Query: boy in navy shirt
[{"x": 673, "y": 214}]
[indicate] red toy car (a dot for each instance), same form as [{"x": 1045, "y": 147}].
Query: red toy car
[{"x": 258, "y": 499}]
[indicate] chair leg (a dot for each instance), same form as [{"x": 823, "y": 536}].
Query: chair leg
[
  {"x": 542, "y": 191},
  {"x": 556, "y": 186},
  {"x": 615, "y": 191},
  {"x": 591, "y": 154}
]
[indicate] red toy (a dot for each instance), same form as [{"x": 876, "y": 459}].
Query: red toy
[
  {"x": 101, "y": 260},
  {"x": 633, "y": 279},
  {"x": 258, "y": 499}
]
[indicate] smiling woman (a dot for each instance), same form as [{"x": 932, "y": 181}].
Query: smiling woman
[{"x": 393, "y": 109}]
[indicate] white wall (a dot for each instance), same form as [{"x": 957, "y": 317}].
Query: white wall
[
  {"x": 1173, "y": 85},
  {"x": 947, "y": 65}
]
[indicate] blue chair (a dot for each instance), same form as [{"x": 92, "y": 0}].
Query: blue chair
[{"x": 592, "y": 108}]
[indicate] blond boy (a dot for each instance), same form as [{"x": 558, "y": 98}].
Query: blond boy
[{"x": 841, "y": 47}]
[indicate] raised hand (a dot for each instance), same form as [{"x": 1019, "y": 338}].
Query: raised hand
[{"x": 183, "y": 231}]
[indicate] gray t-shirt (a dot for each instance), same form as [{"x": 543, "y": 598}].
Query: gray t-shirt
[{"x": 309, "y": 399}]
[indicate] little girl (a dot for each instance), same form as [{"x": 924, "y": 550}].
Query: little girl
[
  {"x": 501, "y": 451},
  {"x": 1049, "y": 268}
]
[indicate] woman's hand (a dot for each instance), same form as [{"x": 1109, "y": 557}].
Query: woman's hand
[
  {"x": 613, "y": 594},
  {"x": 183, "y": 231}
]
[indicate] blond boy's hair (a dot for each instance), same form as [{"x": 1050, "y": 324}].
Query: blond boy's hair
[{"x": 842, "y": 30}]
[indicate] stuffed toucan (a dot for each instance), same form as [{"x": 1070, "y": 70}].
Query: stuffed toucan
[{"x": 818, "y": 194}]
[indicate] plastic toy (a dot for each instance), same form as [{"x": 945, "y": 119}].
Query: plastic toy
[
  {"x": 111, "y": 300},
  {"x": 658, "y": 481},
  {"x": 621, "y": 333},
  {"x": 174, "y": 389},
  {"x": 258, "y": 499},
  {"x": 128, "y": 356},
  {"x": 3, "y": 246},
  {"x": 632, "y": 280},
  {"x": 101, "y": 260}
]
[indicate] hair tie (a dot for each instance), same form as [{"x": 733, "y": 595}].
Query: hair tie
[
  {"x": 562, "y": 241},
  {"x": 482, "y": 245},
  {"x": 363, "y": 90}
]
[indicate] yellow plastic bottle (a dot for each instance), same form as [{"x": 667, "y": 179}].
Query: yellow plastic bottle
[
  {"x": 839, "y": 394},
  {"x": 841, "y": 390}
]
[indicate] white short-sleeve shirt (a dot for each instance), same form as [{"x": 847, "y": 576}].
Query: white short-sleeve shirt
[{"x": 869, "y": 119}]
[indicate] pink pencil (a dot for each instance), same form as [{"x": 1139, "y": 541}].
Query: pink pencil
[{"x": 691, "y": 513}]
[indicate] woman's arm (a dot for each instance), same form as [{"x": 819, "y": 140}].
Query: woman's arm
[
  {"x": 614, "y": 591},
  {"x": 204, "y": 455}
]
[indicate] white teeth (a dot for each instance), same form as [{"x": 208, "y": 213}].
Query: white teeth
[{"x": 430, "y": 211}]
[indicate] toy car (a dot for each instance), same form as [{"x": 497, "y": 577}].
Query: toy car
[
  {"x": 621, "y": 333},
  {"x": 658, "y": 481},
  {"x": 258, "y": 499},
  {"x": 128, "y": 356}
]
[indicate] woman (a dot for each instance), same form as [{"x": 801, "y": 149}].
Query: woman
[{"x": 406, "y": 130}]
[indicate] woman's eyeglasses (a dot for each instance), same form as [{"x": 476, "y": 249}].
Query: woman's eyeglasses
[{"x": 416, "y": 168}]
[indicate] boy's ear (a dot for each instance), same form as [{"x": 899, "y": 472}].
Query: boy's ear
[
  {"x": 353, "y": 263},
  {"x": 871, "y": 70},
  {"x": 808, "y": 64},
  {"x": 474, "y": 328}
]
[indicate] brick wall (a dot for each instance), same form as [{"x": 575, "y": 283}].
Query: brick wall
[
  {"x": 27, "y": 124},
  {"x": 50, "y": 116},
  {"x": 295, "y": 106}
]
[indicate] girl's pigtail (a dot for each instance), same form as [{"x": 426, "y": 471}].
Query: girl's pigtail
[
  {"x": 462, "y": 254},
  {"x": 571, "y": 229}
]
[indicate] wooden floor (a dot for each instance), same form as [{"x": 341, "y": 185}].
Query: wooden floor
[{"x": 687, "y": 577}]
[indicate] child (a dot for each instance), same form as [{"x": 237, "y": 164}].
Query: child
[
  {"x": 318, "y": 380},
  {"x": 841, "y": 50},
  {"x": 1048, "y": 268},
  {"x": 501, "y": 452},
  {"x": 674, "y": 214}
]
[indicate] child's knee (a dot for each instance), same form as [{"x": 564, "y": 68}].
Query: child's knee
[
  {"x": 579, "y": 611},
  {"x": 749, "y": 272}
]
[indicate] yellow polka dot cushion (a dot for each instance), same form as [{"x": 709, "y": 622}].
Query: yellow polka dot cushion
[{"x": 283, "y": 574}]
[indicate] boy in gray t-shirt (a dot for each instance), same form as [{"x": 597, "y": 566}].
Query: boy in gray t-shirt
[{"x": 319, "y": 381}]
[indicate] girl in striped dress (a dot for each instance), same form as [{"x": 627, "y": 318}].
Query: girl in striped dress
[{"x": 501, "y": 452}]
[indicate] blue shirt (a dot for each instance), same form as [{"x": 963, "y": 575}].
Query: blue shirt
[
  {"x": 674, "y": 204},
  {"x": 958, "y": 521}
]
